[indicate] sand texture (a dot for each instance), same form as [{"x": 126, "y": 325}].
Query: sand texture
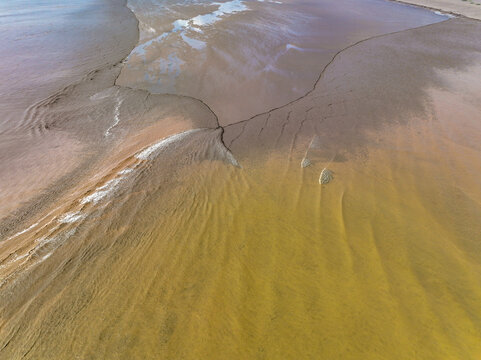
[
  {"x": 326, "y": 207},
  {"x": 468, "y": 8}
]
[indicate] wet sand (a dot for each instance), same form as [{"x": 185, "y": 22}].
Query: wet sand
[
  {"x": 256, "y": 56},
  {"x": 46, "y": 49},
  {"x": 185, "y": 239},
  {"x": 468, "y": 8}
]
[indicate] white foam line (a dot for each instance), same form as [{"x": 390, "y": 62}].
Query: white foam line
[
  {"x": 15, "y": 259},
  {"x": 43, "y": 240},
  {"x": 46, "y": 257},
  {"x": 70, "y": 217},
  {"x": 19, "y": 257},
  {"x": 437, "y": 12},
  {"x": 125, "y": 171},
  {"x": 294, "y": 47},
  {"x": 118, "y": 104},
  {"x": 40, "y": 243},
  {"x": 102, "y": 191},
  {"x": 62, "y": 237},
  {"x": 110, "y": 186},
  {"x": 145, "y": 154},
  {"x": 23, "y": 231}
]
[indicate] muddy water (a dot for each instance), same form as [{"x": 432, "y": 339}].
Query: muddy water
[{"x": 188, "y": 240}]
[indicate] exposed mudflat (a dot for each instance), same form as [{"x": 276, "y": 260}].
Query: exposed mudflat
[{"x": 255, "y": 180}]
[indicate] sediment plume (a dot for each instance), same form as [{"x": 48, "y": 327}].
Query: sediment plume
[{"x": 184, "y": 227}]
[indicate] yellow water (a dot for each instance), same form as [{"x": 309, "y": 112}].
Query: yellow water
[
  {"x": 262, "y": 262},
  {"x": 194, "y": 258}
]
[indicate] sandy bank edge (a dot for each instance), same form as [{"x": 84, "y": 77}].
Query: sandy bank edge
[{"x": 463, "y": 8}]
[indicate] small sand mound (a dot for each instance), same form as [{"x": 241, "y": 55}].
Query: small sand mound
[
  {"x": 305, "y": 162},
  {"x": 326, "y": 176}
]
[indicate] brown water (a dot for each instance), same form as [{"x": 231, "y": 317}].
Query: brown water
[{"x": 217, "y": 243}]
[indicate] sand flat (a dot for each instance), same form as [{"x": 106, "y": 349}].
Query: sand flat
[
  {"x": 185, "y": 253},
  {"x": 471, "y": 9},
  {"x": 256, "y": 57}
]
